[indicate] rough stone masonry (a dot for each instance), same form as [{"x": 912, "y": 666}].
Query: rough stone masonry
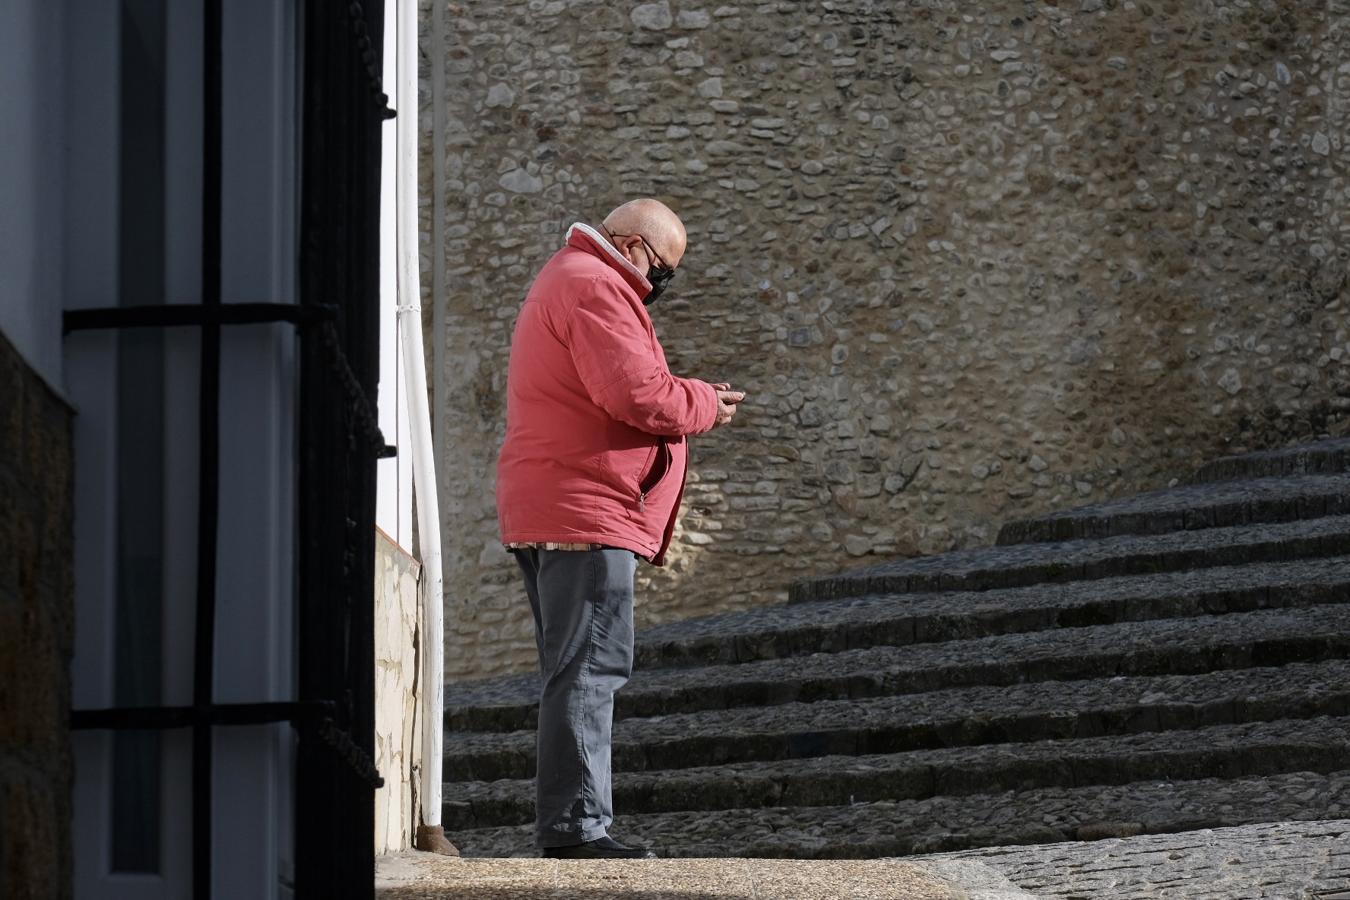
[
  {"x": 37, "y": 590},
  {"x": 971, "y": 262}
]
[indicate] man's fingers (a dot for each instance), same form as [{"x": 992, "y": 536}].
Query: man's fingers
[
  {"x": 726, "y": 403},
  {"x": 725, "y": 412}
]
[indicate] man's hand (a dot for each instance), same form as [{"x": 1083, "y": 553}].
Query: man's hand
[{"x": 726, "y": 403}]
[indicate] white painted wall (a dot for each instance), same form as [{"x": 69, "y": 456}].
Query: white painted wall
[
  {"x": 398, "y": 718},
  {"x": 394, "y": 489},
  {"x": 32, "y": 53},
  {"x": 399, "y": 584}
]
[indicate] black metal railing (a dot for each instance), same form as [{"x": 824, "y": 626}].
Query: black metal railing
[{"x": 339, "y": 231}]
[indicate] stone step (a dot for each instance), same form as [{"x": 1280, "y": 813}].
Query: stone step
[
  {"x": 942, "y": 824},
  {"x": 1320, "y": 457},
  {"x": 1150, "y": 647},
  {"x": 801, "y": 629},
  {"x": 1017, "y": 713},
  {"x": 1020, "y": 565},
  {"x": 507, "y": 704},
  {"x": 1225, "y": 751},
  {"x": 1191, "y": 507}
]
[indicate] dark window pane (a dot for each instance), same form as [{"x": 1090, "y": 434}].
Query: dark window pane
[{"x": 135, "y": 801}]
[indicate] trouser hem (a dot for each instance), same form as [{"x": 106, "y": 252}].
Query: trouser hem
[{"x": 585, "y": 835}]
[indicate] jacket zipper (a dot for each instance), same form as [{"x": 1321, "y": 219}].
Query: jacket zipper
[{"x": 642, "y": 495}]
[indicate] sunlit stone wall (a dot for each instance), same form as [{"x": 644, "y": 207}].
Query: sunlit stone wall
[{"x": 971, "y": 261}]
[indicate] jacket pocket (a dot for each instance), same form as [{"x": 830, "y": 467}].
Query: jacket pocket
[{"x": 661, "y": 467}]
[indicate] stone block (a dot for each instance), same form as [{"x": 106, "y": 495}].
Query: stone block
[{"x": 34, "y": 848}]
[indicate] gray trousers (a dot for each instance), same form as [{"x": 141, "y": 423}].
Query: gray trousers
[{"x": 583, "y": 617}]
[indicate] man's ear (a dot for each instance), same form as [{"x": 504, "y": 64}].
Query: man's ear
[{"x": 627, "y": 247}]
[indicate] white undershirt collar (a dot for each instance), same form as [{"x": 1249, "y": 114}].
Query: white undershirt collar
[{"x": 609, "y": 248}]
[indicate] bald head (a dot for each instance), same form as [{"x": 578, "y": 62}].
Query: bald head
[{"x": 653, "y": 220}]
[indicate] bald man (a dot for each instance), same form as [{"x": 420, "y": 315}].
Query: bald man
[{"x": 589, "y": 483}]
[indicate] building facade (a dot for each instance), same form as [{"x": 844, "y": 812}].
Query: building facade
[{"x": 189, "y": 341}]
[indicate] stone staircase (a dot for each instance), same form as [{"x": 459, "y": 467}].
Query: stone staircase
[{"x": 1168, "y": 662}]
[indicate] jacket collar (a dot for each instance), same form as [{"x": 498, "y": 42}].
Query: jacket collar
[{"x": 584, "y": 237}]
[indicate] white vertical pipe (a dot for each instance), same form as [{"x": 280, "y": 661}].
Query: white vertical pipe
[{"x": 415, "y": 374}]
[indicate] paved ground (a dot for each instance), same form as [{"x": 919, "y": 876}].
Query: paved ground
[
  {"x": 1277, "y": 861},
  {"x": 1284, "y": 860},
  {"x": 421, "y": 876}
]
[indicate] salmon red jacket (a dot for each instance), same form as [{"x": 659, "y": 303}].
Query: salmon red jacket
[{"x": 595, "y": 448}]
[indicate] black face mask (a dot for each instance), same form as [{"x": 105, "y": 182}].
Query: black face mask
[{"x": 660, "y": 277}]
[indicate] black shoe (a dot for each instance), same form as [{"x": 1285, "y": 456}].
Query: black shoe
[{"x": 600, "y": 848}]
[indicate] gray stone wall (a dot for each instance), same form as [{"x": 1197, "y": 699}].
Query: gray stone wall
[
  {"x": 36, "y": 632},
  {"x": 970, "y": 261}
]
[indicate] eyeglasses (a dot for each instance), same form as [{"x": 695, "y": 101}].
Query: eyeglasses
[
  {"x": 651, "y": 251},
  {"x": 659, "y": 275}
]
